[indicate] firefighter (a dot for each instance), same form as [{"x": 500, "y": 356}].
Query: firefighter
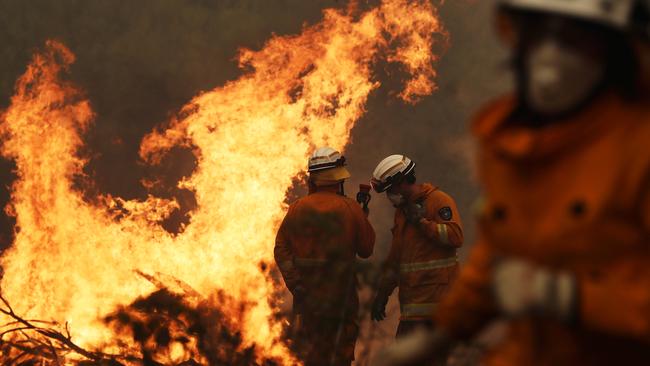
[
  {"x": 426, "y": 234},
  {"x": 316, "y": 249},
  {"x": 563, "y": 253}
]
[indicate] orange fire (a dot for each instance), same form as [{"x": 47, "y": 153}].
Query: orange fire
[{"x": 74, "y": 262}]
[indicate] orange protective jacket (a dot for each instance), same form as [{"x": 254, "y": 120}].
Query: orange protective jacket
[
  {"x": 572, "y": 196},
  {"x": 316, "y": 247},
  {"x": 422, "y": 259}
]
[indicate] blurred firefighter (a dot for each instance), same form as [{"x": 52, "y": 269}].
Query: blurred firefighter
[
  {"x": 422, "y": 259},
  {"x": 564, "y": 244},
  {"x": 316, "y": 249}
]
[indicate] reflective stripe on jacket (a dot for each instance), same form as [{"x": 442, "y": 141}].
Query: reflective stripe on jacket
[
  {"x": 316, "y": 248},
  {"x": 422, "y": 259}
]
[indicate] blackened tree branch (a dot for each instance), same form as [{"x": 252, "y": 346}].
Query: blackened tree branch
[{"x": 45, "y": 347}]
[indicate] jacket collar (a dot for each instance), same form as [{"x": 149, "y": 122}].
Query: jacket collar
[
  {"x": 497, "y": 129},
  {"x": 425, "y": 190}
]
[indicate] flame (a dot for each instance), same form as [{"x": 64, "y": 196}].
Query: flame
[{"x": 74, "y": 261}]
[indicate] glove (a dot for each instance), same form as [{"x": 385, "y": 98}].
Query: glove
[
  {"x": 378, "y": 312},
  {"x": 521, "y": 288},
  {"x": 415, "y": 212},
  {"x": 364, "y": 198},
  {"x": 418, "y": 348},
  {"x": 299, "y": 295}
]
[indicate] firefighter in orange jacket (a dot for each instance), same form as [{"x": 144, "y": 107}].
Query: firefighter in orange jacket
[
  {"x": 422, "y": 259},
  {"x": 316, "y": 249},
  {"x": 564, "y": 248}
]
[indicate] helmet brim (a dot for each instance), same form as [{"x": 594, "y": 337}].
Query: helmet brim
[
  {"x": 617, "y": 16},
  {"x": 383, "y": 185},
  {"x": 329, "y": 176},
  {"x": 379, "y": 187}
]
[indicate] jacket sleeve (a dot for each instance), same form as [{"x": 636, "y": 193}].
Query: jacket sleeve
[
  {"x": 365, "y": 233},
  {"x": 469, "y": 305},
  {"x": 443, "y": 223},
  {"x": 617, "y": 301},
  {"x": 284, "y": 255}
]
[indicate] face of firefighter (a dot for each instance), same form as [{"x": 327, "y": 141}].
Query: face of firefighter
[
  {"x": 562, "y": 62},
  {"x": 399, "y": 193},
  {"x": 396, "y": 198},
  {"x": 559, "y": 77}
]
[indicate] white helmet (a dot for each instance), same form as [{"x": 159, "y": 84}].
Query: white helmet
[
  {"x": 327, "y": 166},
  {"x": 612, "y": 13},
  {"x": 325, "y": 158},
  {"x": 391, "y": 171}
]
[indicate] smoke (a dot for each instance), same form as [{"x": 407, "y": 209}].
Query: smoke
[{"x": 140, "y": 61}]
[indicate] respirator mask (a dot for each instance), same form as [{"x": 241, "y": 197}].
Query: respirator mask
[
  {"x": 561, "y": 62},
  {"x": 559, "y": 78},
  {"x": 396, "y": 199}
]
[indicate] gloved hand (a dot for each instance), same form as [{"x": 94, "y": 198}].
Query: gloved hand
[
  {"x": 299, "y": 295},
  {"x": 418, "y": 348},
  {"x": 522, "y": 288},
  {"x": 415, "y": 212},
  {"x": 364, "y": 198},
  {"x": 378, "y": 312}
]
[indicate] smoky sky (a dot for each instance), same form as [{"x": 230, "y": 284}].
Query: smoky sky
[{"x": 140, "y": 61}]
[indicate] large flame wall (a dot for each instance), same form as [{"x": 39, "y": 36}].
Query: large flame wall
[{"x": 74, "y": 261}]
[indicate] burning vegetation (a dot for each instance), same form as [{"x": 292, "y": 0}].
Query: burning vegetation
[{"x": 99, "y": 281}]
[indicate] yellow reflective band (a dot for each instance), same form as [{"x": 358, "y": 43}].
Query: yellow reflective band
[
  {"x": 424, "y": 309},
  {"x": 443, "y": 234},
  {"x": 434, "y": 264},
  {"x": 310, "y": 262}
]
